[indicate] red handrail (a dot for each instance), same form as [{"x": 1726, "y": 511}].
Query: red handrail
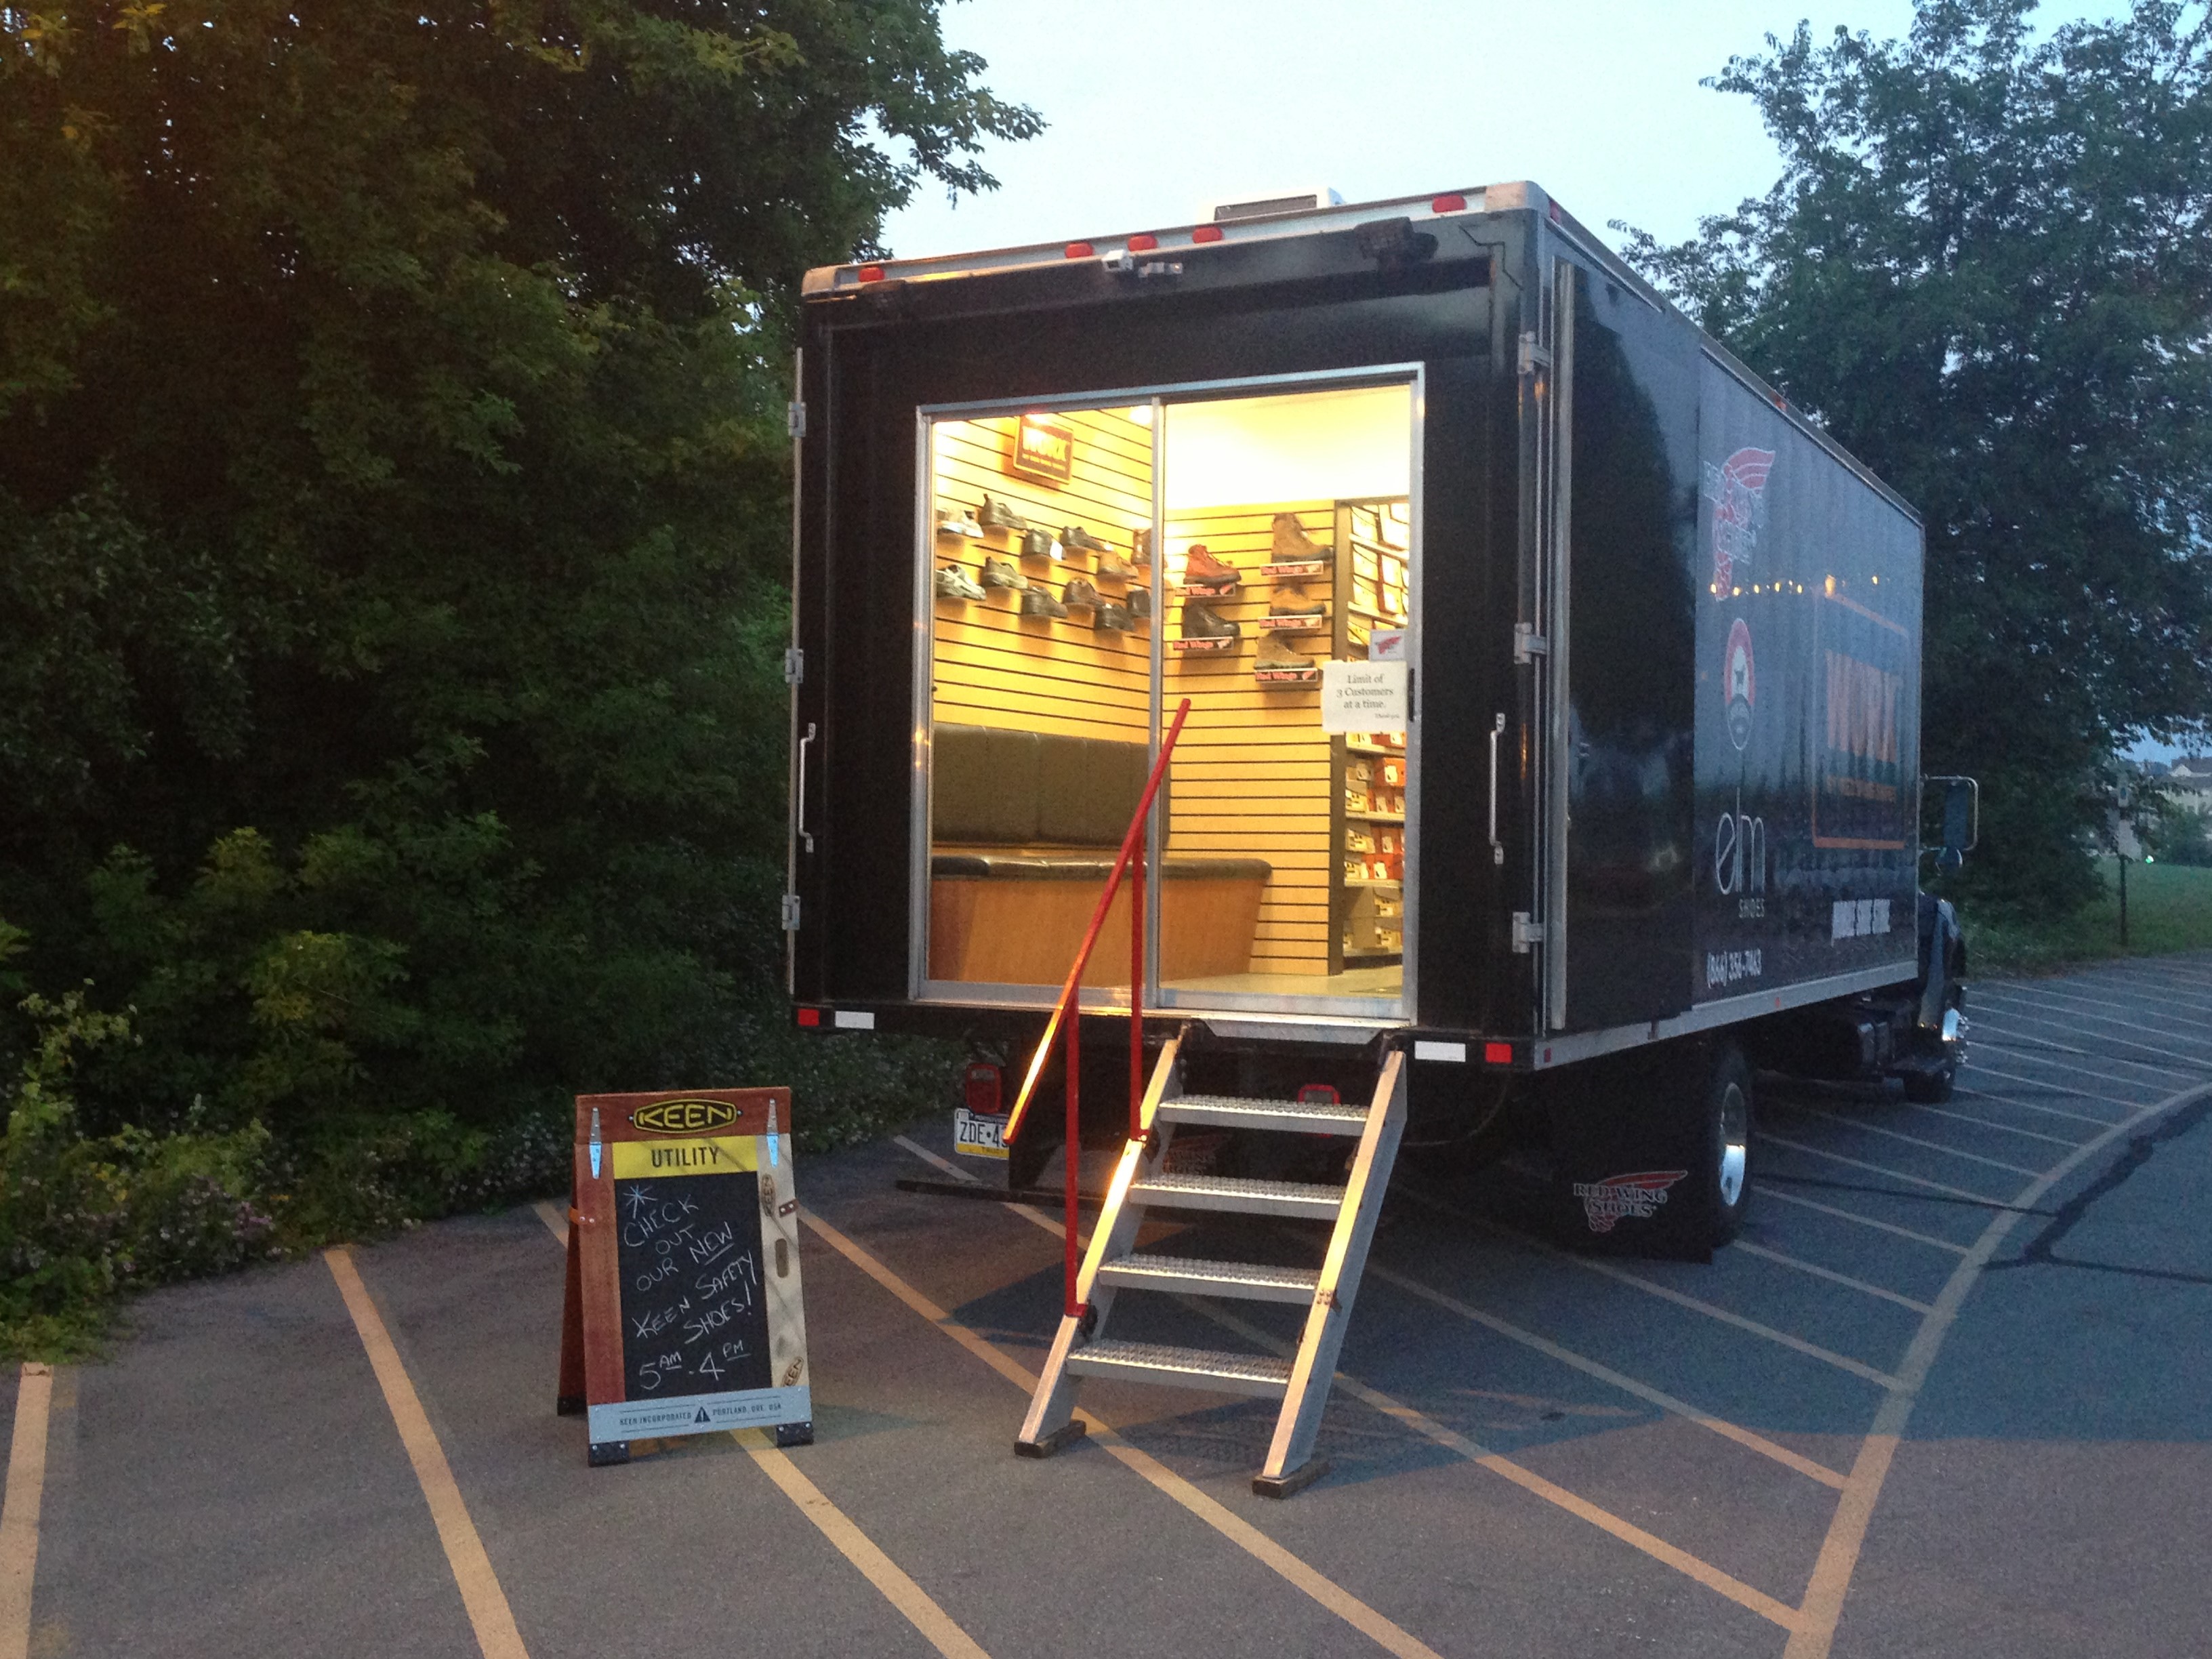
[{"x": 1131, "y": 853}]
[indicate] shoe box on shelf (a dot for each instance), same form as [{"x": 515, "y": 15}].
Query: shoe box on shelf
[{"x": 1373, "y": 855}]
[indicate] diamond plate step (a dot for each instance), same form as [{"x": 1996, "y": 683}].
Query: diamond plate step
[
  {"x": 1235, "y": 1112},
  {"x": 1250, "y": 1280},
  {"x": 1306, "y": 1200},
  {"x": 1193, "y": 1368}
]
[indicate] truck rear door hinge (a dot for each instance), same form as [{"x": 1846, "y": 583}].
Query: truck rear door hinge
[
  {"x": 1527, "y": 643},
  {"x": 794, "y": 665},
  {"x": 794, "y": 418},
  {"x": 1526, "y": 932},
  {"x": 1532, "y": 356},
  {"x": 791, "y": 913}
]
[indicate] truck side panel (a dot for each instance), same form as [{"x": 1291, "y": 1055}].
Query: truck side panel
[{"x": 1808, "y": 713}]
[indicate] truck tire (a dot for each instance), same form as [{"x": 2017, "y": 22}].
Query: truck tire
[
  {"x": 1931, "y": 1088},
  {"x": 1726, "y": 1119}
]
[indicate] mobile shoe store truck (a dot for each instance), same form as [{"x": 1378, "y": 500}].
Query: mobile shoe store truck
[{"x": 1524, "y": 700}]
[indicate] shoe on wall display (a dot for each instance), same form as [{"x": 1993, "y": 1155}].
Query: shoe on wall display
[
  {"x": 1078, "y": 590},
  {"x": 1039, "y": 602},
  {"x": 1108, "y": 617},
  {"x": 1143, "y": 538},
  {"x": 1204, "y": 629},
  {"x": 1111, "y": 569},
  {"x": 1075, "y": 535},
  {"x": 1003, "y": 573},
  {"x": 954, "y": 521},
  {"x": 1289, "y": 599},
  {"x": 1039, "y": 545},
  {"x": 1202, "y": 570},
  {"x": 1141, "y": 602},
  {"x": 997, "y": 515},
  {"x": 1292, "y": 544},
  {"x": 1277, "y": 663},
  {"x": 954, "y": 583}
]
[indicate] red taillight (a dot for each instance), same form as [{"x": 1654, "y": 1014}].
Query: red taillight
[
  {"x": 1498, "y": 1053},
  {"x": 810, "y": 1015},
  {"x": 1143, "y": 242},
  {"x": 869, "y": 273},
  {"x": 1206, "y": 234},
  {"x": 1080, "y": 250},
  {"x": 1449, "y": 204}
]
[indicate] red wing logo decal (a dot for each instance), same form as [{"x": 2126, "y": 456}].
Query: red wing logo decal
[
  {"x": 1737, "y": 488},
  {"x": 1640, "y": 1195}
]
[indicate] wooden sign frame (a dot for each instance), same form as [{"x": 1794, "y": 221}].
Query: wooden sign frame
[{"x": 689, "y": 1132}]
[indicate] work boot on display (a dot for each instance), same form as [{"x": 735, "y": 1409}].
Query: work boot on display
[
  {"x": 1108, "y": 617},
  {"x": 1140, "y": 601},
  {"x": 953, "y": 521},
  {"x": 1275, "y": 652},
  {"x": 1079, "y": 592},
  {"x": 1039, "y": 602},
  {"x": 1292, "y": 544},
  {"x": 997, "y": 515},
  {"x": 954, "y": 583},
  {"x": 1111, "y": 567},
  {"x": 1143, "y": 538},
  {"x": 1202, "y": 569},
  {"x": 1199, "y": 621},
  {"x": 1075, "y": 535},
  {"x": 1039, "y": 545},
  {"x": 1289, "y": 600},
  {"x": 1003, "y": 573}
]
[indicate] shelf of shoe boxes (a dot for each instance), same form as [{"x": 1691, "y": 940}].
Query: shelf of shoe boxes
[
  {"x": 1373, "y": 572},
  {"x": 1252, "y": 772}
]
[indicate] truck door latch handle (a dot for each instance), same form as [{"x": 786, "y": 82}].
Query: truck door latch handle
[
  {"x": 799, "y": 825},
  {"x": 1496, "y": 847}
]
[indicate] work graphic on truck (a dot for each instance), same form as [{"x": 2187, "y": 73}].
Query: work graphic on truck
[{"x": 1807, "y": 726}]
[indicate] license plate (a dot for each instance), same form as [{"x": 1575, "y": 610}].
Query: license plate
[{"x": 975, "y": 1135}]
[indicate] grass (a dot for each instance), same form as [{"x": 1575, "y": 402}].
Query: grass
[{"x": 2169, "y": 909}]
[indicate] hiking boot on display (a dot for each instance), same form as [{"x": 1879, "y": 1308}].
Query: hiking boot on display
[
  {"x": 997, "y": 515},
  {"x": 952, "y": 521},
  {"x": 1003, "y": 573},
  {"x": 1200, "y": 622},
  {"x": 1039, "y": 602},
  {"x": 1078, "y": 590},
  {"x": 1143, "y": 538},
  {"x": 1276, "y": 657},
  {"x": 1039, "y": 545},
  {"x": 1075, "y": 535},
  {"x": 1141, "y": 602},
  {"x": 1111, "y": 567},
  {"x": 1289, "y": 600},
  {"x": 954, "y": 583},
  {"x": 1292, "y": 544},
  {"x": 1108, "y": 617},
  {"x": 1202, "y": 569}
]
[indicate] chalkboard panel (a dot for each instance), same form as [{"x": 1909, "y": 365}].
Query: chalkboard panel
[
  {"x": 684, "y": 1313},
  {"x": 694, "y": 1318}
]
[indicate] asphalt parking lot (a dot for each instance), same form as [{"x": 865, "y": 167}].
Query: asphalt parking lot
[{"x": 1945, "y": 1397}]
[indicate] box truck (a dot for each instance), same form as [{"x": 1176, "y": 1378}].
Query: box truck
[{"x": 1526, "y": 696}]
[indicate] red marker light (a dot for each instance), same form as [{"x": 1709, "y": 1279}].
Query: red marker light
[
  {"x": 869, "y": 273},
  {"x": 1143, "y": 242},
  {"x": 1080, "y": 251},
  {"x": 1206, "y": 234},
  {"x": 1498, "y": 1053},
  {"x": 810, "y": 1015},
  {"x": 1449, "y": 204}
]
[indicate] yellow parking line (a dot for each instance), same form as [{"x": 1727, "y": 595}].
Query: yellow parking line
[
  {"x": 1231, "y": 1526},
  {"x": 1745, "y": 1246},
  {"x": 19, "y": 1508},
  {"x": 489, "y": 1613},
  {"x": 878, "y": 1569},
  {"x": 1929, "y": 1239},
  {"x": 914, "y": 1602}
]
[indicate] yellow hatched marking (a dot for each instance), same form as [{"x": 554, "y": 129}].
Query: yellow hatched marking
[{"x": 19, "y": 1508}]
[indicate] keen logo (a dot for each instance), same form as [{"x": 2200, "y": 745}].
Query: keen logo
[
  {"x": 684, "y": 1117},
  {"x": 1607, "y": 1201}
]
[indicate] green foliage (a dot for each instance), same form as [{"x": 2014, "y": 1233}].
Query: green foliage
[
  {"x": 2178, "y": 835},
  {"x": 2169, "y": 909},
  {"x": 1984, "y": 268}
]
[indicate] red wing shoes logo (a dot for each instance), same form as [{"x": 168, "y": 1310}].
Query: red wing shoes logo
[
  {"x": 1737, "y": 488},
  {"x": 1607, "y": 1201}
]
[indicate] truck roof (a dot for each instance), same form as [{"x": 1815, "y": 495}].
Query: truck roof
[{"x": 1311, "y": 217}]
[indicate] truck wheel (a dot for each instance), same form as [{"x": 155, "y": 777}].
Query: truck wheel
[{"x": 1727, "y": 1119}]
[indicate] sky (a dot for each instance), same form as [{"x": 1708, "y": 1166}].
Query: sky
[{"x": 1158, "y": 108}]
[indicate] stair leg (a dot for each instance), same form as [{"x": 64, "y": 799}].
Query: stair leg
[
  {"x": 1290, "y": 1463},
  {"x": 1051, "y": 1424}
]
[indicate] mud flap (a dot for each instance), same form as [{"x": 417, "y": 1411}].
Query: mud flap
[{"x": 1631, "y": 1156}]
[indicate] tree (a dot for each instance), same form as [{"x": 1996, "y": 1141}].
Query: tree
[
  {"x": 391, "y": 506},
  {"x": 1987, "y": 269}
]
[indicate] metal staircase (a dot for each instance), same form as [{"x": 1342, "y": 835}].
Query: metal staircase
[{"x": 1141, "y": 1182}]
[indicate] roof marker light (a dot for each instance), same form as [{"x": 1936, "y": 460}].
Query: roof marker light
[
  {"x": 1206, "y": 234},
  {"x": 870, "y": 273},
  {"x": 1143, "y": 242},
  {"x": 1449, "y": 204},
  {"x": 1080, "y": 251}
]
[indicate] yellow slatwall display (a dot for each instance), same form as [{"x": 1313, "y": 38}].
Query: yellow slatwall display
[
  {"x": 996, "y": 667},
  {"x": 1252, "y": 773}
]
